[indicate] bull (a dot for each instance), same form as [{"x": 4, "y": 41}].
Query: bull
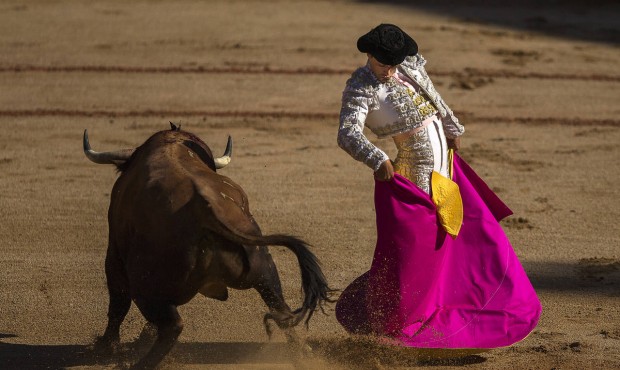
[{"x": 178, "y": 228}]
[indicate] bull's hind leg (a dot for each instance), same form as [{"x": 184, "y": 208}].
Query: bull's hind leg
[
  {"x": 118, "y": 306},
  {"x": 169, "y": 326},
  {"x": 270, "y": 289}
]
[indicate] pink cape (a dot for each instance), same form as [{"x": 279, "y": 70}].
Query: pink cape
[{"x": 425, "y": 289}]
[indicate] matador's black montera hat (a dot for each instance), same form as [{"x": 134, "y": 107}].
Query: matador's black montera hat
[{"x": 388, "y": 44}]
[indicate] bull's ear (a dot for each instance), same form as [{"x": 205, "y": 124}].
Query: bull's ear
[{"x": 174, "y": 127}]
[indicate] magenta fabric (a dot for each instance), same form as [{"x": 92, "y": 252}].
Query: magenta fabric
[{"x": 427, "y": 290}]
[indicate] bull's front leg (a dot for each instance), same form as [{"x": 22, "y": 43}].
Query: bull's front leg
[
  {"x": 169, "y": 326},
  {"x": 109, "y": 342},
  {"x": 119, "y": 304}
]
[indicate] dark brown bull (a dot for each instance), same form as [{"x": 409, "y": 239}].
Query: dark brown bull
[{"x": 177, "y": 228}]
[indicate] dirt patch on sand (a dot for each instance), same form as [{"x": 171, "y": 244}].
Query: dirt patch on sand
[{"x": 538, "y": 94}]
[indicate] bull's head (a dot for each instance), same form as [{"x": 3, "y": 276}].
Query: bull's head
[{"x": 119, "y": 157}]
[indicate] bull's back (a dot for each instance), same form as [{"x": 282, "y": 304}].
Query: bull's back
[{"x": 154, "y": 225}]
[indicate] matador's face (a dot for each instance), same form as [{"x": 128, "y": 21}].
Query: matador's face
[{"x": 382, "y": 71}]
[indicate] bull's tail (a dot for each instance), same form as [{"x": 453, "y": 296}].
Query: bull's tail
[
  {"x": 314, "y": 284},
  {"x": 315, "y": 287}
]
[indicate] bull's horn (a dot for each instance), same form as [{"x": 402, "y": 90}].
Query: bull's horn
[
  {"x": 222, "y": 161},
  {"x": 116, "y": 157}
]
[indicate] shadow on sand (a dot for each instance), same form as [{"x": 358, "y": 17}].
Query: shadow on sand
[
  {"x": 594, "y": 20},
  {"x": 46, "y": 356},
  {"x": 592, "y": 275},
  {"x": 349, "y": 353}
]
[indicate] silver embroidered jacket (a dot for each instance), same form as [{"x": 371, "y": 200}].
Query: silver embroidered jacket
[{"x": 387, "y": 109}]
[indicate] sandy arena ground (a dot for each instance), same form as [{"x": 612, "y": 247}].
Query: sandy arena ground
[{"x": 537, "y": 88}]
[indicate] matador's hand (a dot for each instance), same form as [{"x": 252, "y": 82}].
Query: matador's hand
[
  {"x": 385, "y": 172},
  {"x": 454, "y": 143}
]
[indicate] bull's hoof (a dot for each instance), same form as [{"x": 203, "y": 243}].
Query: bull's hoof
[
  {"x": 150, "y": 364},
  {"x": 147, "y": 337},
  {"x": 291, "y": 337},
  {"x": 140, "y": 366},
  {"x": 306, "y": 349},
  {"x": 296, "y": 344},
  {"x": 105, "y": 347}
]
